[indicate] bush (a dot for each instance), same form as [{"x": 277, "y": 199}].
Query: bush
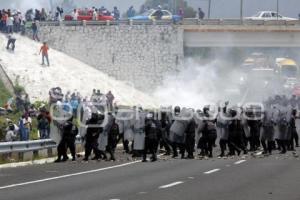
[
  {"x": 4, "y": 94},
  {"x": 39, "y": 104},
  {"x": 18, "y": 88}
]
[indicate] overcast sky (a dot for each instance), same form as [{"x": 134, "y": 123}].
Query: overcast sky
[
  {"x": 220, "y": 8},
  {"x": 231, "y": 8}
]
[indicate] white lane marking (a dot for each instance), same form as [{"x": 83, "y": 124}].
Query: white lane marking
[
  {"x": 27, "y": 163},
  {"x": 67, "y": 175},
  {"x": 170, "y": 185},
  {"x": 239, "y": 162},
  {"x": 227, "y": 165},
  {"x": 51, "y": 171},
  {"x": 191, "y": 177},
  {"x": 211, "y": 171},
  {"x": 115, "y": 199},
  {"x": 142, "y": 193}
]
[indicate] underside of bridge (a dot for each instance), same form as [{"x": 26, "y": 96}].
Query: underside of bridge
[{"x": 242, "y": 38}]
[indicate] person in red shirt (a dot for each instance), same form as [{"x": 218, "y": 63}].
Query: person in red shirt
[{"x": 44, "y": 50}]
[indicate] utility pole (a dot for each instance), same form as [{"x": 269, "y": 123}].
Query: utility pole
[
  {"x": 175, "y": 7},
  {"x": 209, "y": 7},
  {"x": 51, "y": 5},
  {"x": 277, "y": 8},
  {"x": 241, "y": 9}
]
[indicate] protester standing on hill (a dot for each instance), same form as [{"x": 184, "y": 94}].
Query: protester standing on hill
[
  {"x": 116, "y": 13},
  {"x": 110, "y": 99},
  {"x": 159, "y": 13},
  {"x": 34, "y": 29},
  {"x": 200, "y": 13},
  {"x": 44, "y": 50},
  {"x": 10, "y": 23},
  {"x": 11, "y": 42},
  {"x": 130, "y": 12}
]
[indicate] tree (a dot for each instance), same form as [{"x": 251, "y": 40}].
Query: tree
[{"x": 172, "y": 5}]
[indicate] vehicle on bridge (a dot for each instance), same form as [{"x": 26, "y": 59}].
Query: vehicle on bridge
[
  {"x": 151, "y": 15},
  {"x": 88, "y": 16},
  {"x": 288, "y": 71},
  {"x": 269, "y": 15}
]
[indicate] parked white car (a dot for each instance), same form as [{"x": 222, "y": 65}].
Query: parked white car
[{"x": 269, "y": 15}]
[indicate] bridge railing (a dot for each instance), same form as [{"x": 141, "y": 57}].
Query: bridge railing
[{"x": 186, "y": 21}]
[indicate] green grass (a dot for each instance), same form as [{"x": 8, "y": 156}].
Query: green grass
[
  {"x": 15, "y": 116},
  {"x": 4, "y": 94}
]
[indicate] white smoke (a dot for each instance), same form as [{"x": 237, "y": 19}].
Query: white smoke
[
  {"x": 24, "y": 5},
  {"x": 196, "y": 85},
  {"x": 220, "y": 80},
  {"x": 210, "y": 84}
]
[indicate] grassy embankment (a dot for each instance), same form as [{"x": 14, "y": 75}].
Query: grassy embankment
[{"x": 15, "y": 116}]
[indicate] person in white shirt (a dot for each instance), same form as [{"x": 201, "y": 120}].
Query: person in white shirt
[
  {"x": 75, "y": 14},
  {"x": 95, "y": 15},
  {"x": 11, "y": 132},
  {"x": 9, "y": 24}
]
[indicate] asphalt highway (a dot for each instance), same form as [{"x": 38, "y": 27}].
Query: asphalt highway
[{"x": 276, "y": 177}]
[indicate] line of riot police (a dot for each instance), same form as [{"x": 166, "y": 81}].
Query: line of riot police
[{"x": 181, "y": 131}]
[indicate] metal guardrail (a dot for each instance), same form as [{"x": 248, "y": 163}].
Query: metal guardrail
[
  {"x": 26, "y": 146},
  {"x": 186, "y": 21}
]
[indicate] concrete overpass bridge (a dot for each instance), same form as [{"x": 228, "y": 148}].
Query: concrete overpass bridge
[{"x": 236, "y": 33}]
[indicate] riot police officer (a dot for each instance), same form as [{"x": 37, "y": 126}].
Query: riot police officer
[
  {"x": 190, "y": 138},
  {"x": 235, "y": 137},
  {"x": 151, "y": 136},
  {"x": 209, "y": 133},
  {"x": 293, "y": 131},
  {"x": 69, "y": 132},
  {"x": 165, "y": 130},
  {"x": 91, "y": 138},
  {"x": 113, "y": 134}
]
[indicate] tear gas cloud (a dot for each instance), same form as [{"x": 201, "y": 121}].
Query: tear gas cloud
[
  {"x": 217, "y": 81},
  {"x": 198, "y": 85}
]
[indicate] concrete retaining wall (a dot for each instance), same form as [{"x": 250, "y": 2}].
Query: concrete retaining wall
[{"x": 139, "y": 54}]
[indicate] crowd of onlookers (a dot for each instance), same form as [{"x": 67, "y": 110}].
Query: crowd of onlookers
[
  {"x": 11, "y": 21},
  {"x": 15, "y": 20},
  {"x": 22, "y": 129}
]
